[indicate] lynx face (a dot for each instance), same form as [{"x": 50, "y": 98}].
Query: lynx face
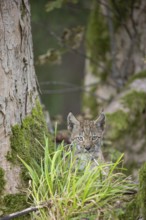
[{"x": 86, "y": 136}]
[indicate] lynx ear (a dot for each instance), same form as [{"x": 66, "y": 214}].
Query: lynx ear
[
  {"x": 71, "y": 121},
  {"x": 100, "y": 121}
]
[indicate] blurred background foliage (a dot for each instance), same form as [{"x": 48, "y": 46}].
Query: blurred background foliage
[
  {"x": 71, "y": 69},
  {"x": 91, "y": 55}
]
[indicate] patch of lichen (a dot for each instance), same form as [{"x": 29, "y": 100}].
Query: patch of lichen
[
  {"x": 2, "y": 180},
  {"x": 97, "y": 37},
  {"x": 27, "y": 139},
  {"x": 119, "y": 122},
  {"x": 11, "y": 203},
  {"x": 142, "y": 190}
]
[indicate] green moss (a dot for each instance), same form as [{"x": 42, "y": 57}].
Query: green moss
[
  {"x": 12, "y": 203},
  {"x": 140, "y": 75},
  {"x": 27, "y": 139},
  {"x": 125, "y": 129},
  {"x": 131, "y": 210},
  {"x": 142, "y": 190},
  {"x": 97, "y": 37},
  {"x": 2, "y": 180},
  {"x": 136, "y": 207},
  {"x": 135, "y": 101},
  {"x": 119, "y": 123}
]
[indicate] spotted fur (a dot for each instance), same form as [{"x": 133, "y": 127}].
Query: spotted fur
[{"x": 86, "y": 136}]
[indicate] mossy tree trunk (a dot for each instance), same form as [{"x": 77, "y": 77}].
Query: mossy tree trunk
[
  {"x": 18, "y": 89},
  {"x": 115, "y": 42}
]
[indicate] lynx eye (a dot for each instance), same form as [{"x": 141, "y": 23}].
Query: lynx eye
[
  {"x": 94, "y": 138},
  {"x": 80, "y": 138}
]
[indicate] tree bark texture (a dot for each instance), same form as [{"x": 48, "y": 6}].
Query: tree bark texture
[
  {"x": 125, "y": 38},
  {"x": 116, "y": 42},
  {"x": 18, "y": 90}
]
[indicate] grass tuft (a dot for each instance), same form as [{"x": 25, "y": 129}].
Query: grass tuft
[{"x": 72, "y": 193}]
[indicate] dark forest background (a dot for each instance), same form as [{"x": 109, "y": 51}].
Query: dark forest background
[{"x": 71, "y": 70}]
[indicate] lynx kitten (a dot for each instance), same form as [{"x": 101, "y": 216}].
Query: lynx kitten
[{"x": 86, "y": 137}]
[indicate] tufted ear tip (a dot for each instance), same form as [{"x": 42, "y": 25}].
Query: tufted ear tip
[
  {"x": 71, "y": 121},
  {"x": 69, "y": 114},
  {"x": 69, "y": 117},
  {"x": 100, "y": 121}
]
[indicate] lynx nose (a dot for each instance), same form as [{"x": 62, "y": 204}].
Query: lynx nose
[{"x": 87, "y": 147}]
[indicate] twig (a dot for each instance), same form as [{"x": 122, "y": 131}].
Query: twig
[
  {"x": 76, "y": 51},
  {"x": 57, "y": 83},
  {"x": 25, "y": 211},
  {"x": 131, "y": 192},
  {"x": 69, "y": 90}
]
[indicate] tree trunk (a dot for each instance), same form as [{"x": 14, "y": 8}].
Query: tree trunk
[
  {"x": 18, "y": 90},
  {"x": 116, "y": 43}
]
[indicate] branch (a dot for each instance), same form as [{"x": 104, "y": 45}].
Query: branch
[
  {"x": 76, "y": 51},
  {"x": 26, "y": 211},
  {"x": 53, "y": 34},
  {"x": 58, "y": 83},
  {"x": 73, "y": 88}
]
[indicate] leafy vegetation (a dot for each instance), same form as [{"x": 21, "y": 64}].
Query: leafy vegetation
[{"x": 71, "y": 193}]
